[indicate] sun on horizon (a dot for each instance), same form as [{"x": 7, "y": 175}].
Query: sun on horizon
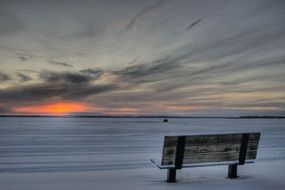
[{"x": 56, "y": 108}]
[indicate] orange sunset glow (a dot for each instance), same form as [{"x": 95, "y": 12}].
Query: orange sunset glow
[{"x": 53, "y": 108}]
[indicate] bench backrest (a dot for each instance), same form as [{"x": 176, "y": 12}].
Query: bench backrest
[{"x": 178, "y": 150}]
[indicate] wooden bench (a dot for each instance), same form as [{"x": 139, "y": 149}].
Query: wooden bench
[{"x": 208, "y": 150}]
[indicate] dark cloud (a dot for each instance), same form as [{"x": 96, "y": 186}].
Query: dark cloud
[
  {"x": 218, "y": 6},
  {"x": 59, "y": 63},
  {"x": 173, "y": 73},
  {"x": 65, "y": 77},
  {"x": 82, "y": 77},
  {"x": 4, "y": 109},
  {"x": 94, "y": 74},
  {"x": 52, "y": 91},
  {"x": 18, "y": 51},
  {"x": 22, "y": 54},
  {"x": 29, "y": 70},
  {"x": 22, "y": 77},
  {"x": 24, "y": 59},
  {"x": 147, "y": 71},
  {"x": 194, "y": 23},
  {"x": 143, "y": 12},
  {"x": 133, "y": 61},
  {"x": 4, "y": 77}
]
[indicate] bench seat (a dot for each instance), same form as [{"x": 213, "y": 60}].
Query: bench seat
[{"x": 199, "y": 164}]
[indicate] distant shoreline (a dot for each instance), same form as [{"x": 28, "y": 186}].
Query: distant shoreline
[{"x": 142, "y": 116}]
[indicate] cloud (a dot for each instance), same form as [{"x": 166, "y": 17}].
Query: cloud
[
  {"x": 207, "y": 15},
  {"x": 52, "y": 91},
  {"x": 81, "y": 77},
  {"x": 90, "y": 29},
  {"x": 94, "y": 74},
  {"x": 59, "y": 63},
  {"x": 133, "y": 61},
  {"x": 222, "y": 59},
  {"x": 254, "y": 39},
  {"x": 29, "y": 70},
  {"x": 66, "y": 77},
  {"x": 194, "y": 23},
  {"x": 10, "y": 23},
  {"x": 23, "y": 54},
  {"x": 143, "y": 12},
  {"x": 146, "y": 71},
  {"x": 24, "y": 59},
  {"x": 77, "y": 30},
  {"x": 177, "y": 72},
  {"x": 53, "y": 86},
  {"x": 22, "y": 77},
  {"x": 4, "y": 77},
  {"x": 4, "y": 109},
  {"x": 56, "y": 86}
]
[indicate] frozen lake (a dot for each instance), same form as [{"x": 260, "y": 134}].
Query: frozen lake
[
  {"x": 101, "y": 145},
  {"x": 78, "y": 144}
]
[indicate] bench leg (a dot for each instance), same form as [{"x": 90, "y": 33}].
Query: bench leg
[
  {"x": 171, "y": 175},
  {"x": 232, "y": 172}
]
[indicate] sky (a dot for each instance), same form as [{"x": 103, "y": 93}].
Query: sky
[{"x": 151, "y": 57}]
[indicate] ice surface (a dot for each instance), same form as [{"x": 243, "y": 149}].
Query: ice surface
[{"x": 98, "y": 153}]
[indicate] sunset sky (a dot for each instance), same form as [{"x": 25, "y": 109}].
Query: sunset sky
[{"x": 151, "y": 57}]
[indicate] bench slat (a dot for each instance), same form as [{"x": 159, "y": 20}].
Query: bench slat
[
  {"x": 197, "y": 149},
  {"x": 209, "y": 157},
  {"x": 210, "y": 139}
]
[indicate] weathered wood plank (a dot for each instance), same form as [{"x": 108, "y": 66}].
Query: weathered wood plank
[
  {"x": 170, "y": 141},
  {"x": 196, "y": 149},
  {"x": 209, "y": 139},
  {"x": 209, "y": 157}
]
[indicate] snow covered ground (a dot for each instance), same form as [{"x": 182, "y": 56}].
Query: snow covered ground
[{"x": 92, "y": 153}]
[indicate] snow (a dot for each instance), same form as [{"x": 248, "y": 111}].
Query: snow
[{"x": 92, "y": 153}]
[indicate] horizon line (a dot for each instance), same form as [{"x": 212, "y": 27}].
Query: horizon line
[{"x": 143, "y": 116}]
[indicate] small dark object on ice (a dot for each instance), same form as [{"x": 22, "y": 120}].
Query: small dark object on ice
[{"x": 165, "y": 120}]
